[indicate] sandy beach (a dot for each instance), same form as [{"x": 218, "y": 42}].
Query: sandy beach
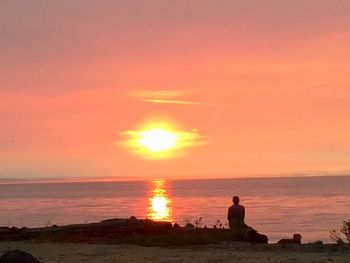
[{"x": 226, "y": 252}]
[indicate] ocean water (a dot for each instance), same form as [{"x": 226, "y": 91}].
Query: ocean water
[{"x": 278, "y": 207}]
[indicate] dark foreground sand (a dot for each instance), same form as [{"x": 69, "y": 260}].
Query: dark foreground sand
[{"x": 228, "y": 252}]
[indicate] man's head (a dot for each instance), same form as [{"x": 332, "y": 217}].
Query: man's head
[
  {"x": 297, "y": 237},
  {"x": 235, "y": 200}
]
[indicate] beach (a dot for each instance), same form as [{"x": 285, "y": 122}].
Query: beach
[{"x": 225, "y": 252}]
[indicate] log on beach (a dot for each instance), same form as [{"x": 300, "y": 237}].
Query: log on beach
[
  {"x": 107, "y": 229},
  {"x": 136, "y": 231}
]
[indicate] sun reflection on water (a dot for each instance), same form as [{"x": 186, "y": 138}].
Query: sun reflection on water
[{"x": 159, "y": 208}]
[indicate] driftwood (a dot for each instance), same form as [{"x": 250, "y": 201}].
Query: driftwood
[
  {"x": 107, "y": 229},
  {"x": 136, "y": 231}
]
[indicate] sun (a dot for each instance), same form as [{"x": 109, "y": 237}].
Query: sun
[
  {"x": 157, "y": 140},
  {"x": 160, "y": 140}
]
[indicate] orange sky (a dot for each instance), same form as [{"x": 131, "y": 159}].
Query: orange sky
[{"x": 265, "y": 83}]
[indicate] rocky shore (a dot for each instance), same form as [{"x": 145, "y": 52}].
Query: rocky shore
[
  {"x": 140, "y": 240},
  {"x": 132, "y": 231}
]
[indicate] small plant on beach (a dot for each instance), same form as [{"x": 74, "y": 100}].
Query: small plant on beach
[
  {"x": 198, "y": 223},
  {"x": 218, "y": 225},
  {"x": 346, "y": 230},
  {"x": 337, "y": 235}
]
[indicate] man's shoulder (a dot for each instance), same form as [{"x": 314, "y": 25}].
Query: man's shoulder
[
  {"x": 237, "y": 206},
  {"x": 240, "y": 207}
]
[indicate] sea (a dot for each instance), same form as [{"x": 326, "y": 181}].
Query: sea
[{"x": 277, "y": 207}]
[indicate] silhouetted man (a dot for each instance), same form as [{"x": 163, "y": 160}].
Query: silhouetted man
[
  {"x": 236, "y": 213},
  {"x": 239, "y": 230}
]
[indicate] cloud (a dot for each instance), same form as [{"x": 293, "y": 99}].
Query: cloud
[{"x": 180, "y": 97}]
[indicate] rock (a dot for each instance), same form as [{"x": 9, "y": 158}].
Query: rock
[
  {"x": 18, "y": 256},
  {"x": 255, "y": 237},
  {"x": 295, "y": 240},
  {"x": 176, "y": 226},
  {"x": 189, "y": 226}
]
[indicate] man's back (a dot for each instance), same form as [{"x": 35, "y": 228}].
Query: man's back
[{"x": 236, "y": 212}]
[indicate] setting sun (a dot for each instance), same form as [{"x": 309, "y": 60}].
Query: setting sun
[
  {"x": 161, "y": 140},
  {"x": 157, "y": 140}
]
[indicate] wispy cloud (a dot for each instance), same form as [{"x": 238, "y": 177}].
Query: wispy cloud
[
  {"x": 180, "y": 97},
  {"x": 183, "y": 102}
]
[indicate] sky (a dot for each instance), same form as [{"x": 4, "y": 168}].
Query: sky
[{"x": 261, "y": 88}]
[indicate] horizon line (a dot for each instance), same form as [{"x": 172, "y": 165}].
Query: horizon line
[{"x": 57, "y": 180}]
